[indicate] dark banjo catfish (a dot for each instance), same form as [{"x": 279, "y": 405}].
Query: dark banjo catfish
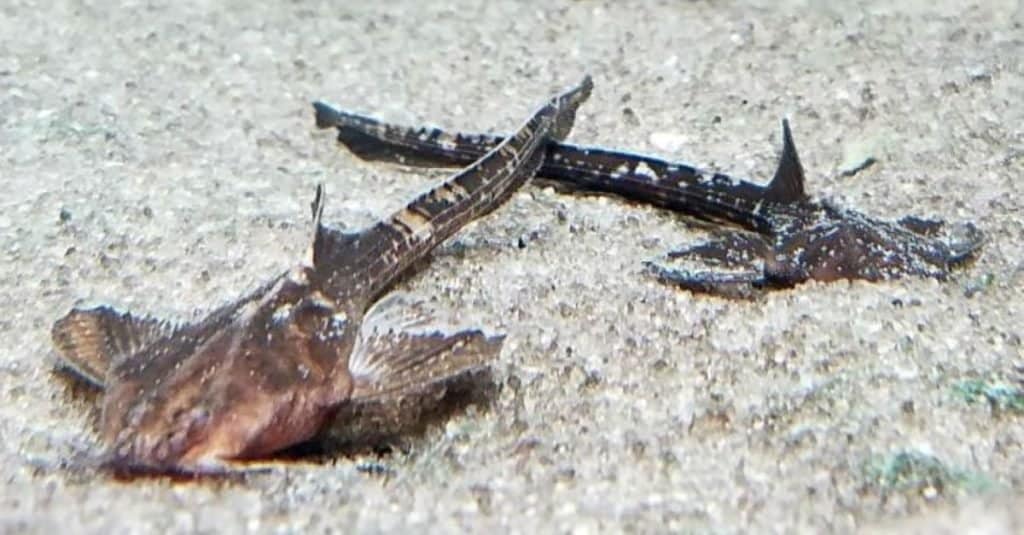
[
  {"x": 785, "y": 236},
  {"x": 270, "y": 370}
]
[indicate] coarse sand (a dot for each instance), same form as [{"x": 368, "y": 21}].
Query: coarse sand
[{"x": 162, "y": 159}]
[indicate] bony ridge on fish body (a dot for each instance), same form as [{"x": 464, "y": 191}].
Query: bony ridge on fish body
[{"x": 269, "y": 370}]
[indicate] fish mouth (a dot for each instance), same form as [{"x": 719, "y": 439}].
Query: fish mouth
[
  {"x": 964, "y": 241},
  {"x": 139, "y": 454},
  {"x": 160, "y": 449}
]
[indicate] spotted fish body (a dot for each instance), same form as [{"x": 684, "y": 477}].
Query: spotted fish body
[
  {"x": 784, "y": 237},
  {"x": 270, "y": 370}
]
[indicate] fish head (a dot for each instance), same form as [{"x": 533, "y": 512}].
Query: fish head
[
  {"x": 250, "y": 379},
  {"x": 833, "y": 243}
]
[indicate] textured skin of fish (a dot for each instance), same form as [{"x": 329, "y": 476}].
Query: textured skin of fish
[
  {"x": 269, "y": 370},
  {"x": 783, "y": 238}
]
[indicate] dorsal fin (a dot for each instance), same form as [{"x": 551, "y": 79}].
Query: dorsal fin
[
  {"x": 319, "y": 235},
  {"x": 328, "y": 242},
  {"x": 317, "y": 206},
  {"x": 788, "y": 183}
]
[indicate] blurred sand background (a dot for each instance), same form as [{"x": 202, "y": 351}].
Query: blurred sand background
[{"x": 161, "y": 158}]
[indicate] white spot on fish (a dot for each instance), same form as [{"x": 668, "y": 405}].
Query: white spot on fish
[
  {"x": 281, "y": 314},
  {"x": 320, "y": 300},
  {"x": 416, "y": 223},
  {"x": 336, "y": 328},
  {"x": 298, "y": 275},
  {"x": 451, "y": 192},
  {"x": 645, "y": 170}
]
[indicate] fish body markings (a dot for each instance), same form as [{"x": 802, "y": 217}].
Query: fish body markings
[
  {"x": 483, "y": 185},
  {"x": 672, "y": 185},
  {"x": 792, "y": 237},
  {"x": 269, "y": 370}
]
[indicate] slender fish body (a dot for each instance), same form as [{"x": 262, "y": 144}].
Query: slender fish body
[{"x": 784, "y": 237}]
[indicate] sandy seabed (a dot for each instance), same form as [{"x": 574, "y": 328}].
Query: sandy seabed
[{"x": 162, "y": 159}]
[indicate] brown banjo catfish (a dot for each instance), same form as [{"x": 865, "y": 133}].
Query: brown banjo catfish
[
  {"x": 269, "y": 370},
  {"x": 784, "y": 236}
]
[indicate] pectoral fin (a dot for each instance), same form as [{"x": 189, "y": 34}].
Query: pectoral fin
[
  {"x": 91, "y": 340},
  {"x": 402, "y": 346},
  {"x": 729, "y": 266}
]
